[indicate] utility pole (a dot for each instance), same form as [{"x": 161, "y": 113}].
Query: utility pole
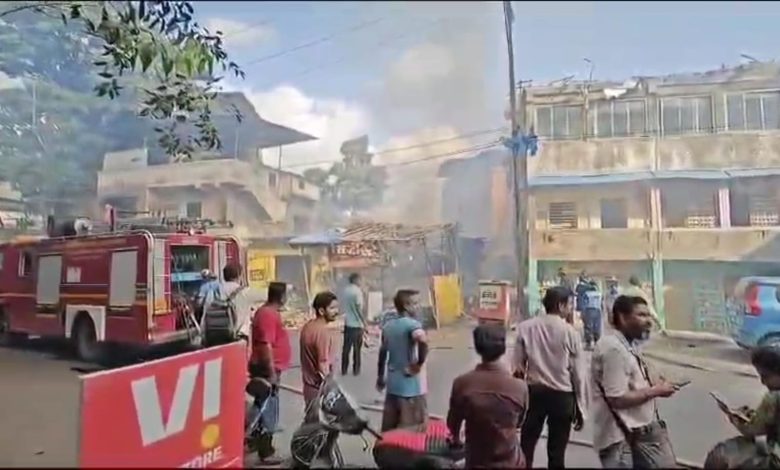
[{"x": 519, "y": 143}]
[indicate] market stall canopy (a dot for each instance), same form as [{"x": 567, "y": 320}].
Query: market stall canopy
[
  {"x": 328, "y": 237},
  {"x": 370, "y": 231}
]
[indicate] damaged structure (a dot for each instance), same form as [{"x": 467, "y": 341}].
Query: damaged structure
[
  {"x": 232, "y": 184},
  {"x": 673, "y": 179}
]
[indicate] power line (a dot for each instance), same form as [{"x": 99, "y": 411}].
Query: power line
[
  {"x": 440, "y": 141},
  {"x": 323, "y": 39},
  {"x": 448, "y": 154},
  {"x": 348, "y": 58},
  {"x": 408, "y": 147},
  {"x": 474, "y": 148},
  {"x": 245, "y": 29}
]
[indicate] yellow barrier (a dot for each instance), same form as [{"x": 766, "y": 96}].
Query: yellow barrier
[{"x": 449, "y": 298}]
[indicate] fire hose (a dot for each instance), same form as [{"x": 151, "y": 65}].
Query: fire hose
[{"x": 577, "y": 442}]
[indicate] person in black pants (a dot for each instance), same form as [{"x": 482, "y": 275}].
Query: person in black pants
[
  {"x": 353, "y": 306},
  {"x": 353, "y": 342},
  {"x": 558, "y": 409},
  {"x": 549, "y": 356}
]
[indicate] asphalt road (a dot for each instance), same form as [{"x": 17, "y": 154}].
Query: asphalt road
[{"x": 39, "y": 389}]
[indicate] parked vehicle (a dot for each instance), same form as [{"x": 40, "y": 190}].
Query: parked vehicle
[
  {"x": 757, "y": 311},
  {"x": 315, "y": 443},
  {"x": 126, "y": 282}
]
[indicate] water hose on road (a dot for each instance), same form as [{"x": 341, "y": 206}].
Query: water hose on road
[{"x": 577, "y": 442}]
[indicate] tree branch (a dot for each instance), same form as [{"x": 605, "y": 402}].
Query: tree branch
[{"x": 31, "y": 6}]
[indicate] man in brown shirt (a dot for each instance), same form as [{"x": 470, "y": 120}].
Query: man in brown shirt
[
  {"x": 492, "y": 403},
  {"x": 317, "y": 345}
]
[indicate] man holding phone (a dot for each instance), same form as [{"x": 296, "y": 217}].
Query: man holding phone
[{"x": 628, "y": 432}]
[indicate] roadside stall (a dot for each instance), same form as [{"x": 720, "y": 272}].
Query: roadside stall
[{"x": 390, "y": 257}]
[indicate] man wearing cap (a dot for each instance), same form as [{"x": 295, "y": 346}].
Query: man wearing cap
[{"x": 492, "y": 403}]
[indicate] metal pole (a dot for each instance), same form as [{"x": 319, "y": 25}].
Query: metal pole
[{"x": 519, "y": 171}]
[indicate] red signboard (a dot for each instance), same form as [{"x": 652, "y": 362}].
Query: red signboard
[{"x": 182, "y": 411}]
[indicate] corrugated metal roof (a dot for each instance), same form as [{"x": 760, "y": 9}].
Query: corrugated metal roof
[
  {"x": 264, "y": 134},
  {"x": 370, "y": 231},
  {"x": 587, "y": 179},
  {"x": 328, "y": 237},
  {"x": 752, "y": 172},
  {"x": 628, "y": 177},
  {"x": 377, "y": 231}
]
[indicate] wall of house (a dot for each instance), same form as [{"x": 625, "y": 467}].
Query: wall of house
[{"x": 588, "y": 204}]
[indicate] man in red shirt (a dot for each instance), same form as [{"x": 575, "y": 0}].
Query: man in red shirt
[{"x": 271, "y": 351}]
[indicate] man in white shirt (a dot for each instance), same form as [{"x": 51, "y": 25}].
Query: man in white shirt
[
  {"x": 549, "y": 356},
  {"x": 627, "y": 430}
]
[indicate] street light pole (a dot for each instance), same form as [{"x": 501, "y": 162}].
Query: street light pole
[{"x": 519, "y": 167}]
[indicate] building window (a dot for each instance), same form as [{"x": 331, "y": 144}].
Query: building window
[
  {"x": 686, "y": 115},
  {"x": 301, "y": 185},
  {"x": 562, "y": 215},
  {"x": 763, "y": 210},
  {"x": 25, "y": 264},
  {"x": 753, "y": 111},
  {"x": 613, "y": 213},
  {"x": 193, "y": 210},
  {"x": 559, "y": 122},
  {"x": 272, "y": 179},
  {"x": 618, "y": 118}
]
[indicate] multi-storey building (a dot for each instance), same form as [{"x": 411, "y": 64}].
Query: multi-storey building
[
  {"x": 230, "y": 185},
  {"x": 673, "y": 179}
]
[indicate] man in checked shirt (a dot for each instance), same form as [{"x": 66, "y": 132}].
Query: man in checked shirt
[{"x": 549, "y": 356}]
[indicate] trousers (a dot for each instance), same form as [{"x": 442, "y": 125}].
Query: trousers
[
  {"x": 555, "y": 407},
  {"x": 353, "y": 342}
]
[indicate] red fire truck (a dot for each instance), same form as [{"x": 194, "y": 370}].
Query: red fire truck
[{"x": 130, "y": 285}]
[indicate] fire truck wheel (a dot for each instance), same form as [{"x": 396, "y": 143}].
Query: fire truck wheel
[
  {"x": 85, "y": 340},
  {"x": 7, "y": 337}
]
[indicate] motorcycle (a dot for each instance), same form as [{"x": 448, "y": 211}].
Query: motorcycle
[{"x": 333, "y": 411}]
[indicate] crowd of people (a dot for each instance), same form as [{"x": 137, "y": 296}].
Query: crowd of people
[{"x": 505, "y": 404}]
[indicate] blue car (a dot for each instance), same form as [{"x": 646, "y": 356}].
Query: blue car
[{"x": 758, "y": 312}]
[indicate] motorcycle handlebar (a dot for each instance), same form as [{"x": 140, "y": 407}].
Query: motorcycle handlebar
[{"x": 373, "y": 432}]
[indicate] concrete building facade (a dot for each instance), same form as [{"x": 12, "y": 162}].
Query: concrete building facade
[
  {"x": 231, "y": 185},
  {"x": 674, "y": 179}
]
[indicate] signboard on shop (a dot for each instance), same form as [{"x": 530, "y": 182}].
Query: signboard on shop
[
  {"x": 353, "y": 255},
  {"x": 184, "y": 411}
]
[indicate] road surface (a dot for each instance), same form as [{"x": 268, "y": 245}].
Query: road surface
[{"x": 40, "y": 390}]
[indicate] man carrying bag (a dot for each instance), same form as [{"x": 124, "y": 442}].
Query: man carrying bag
[{"x": 628, "y": 432}]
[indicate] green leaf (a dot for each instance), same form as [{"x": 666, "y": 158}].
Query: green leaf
[{"x": 146, "y": 53}]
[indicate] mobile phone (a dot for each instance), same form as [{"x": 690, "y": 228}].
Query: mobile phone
[{"x": 679, "y": 385}]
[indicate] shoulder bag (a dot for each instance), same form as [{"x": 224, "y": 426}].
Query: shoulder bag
[{"x": 650, "y": 445}]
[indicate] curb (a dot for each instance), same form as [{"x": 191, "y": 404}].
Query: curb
[
  {"x": 577, "y": 442},
  {"x": 690, "y": 365},
  {"x": 697, "y": 336}
]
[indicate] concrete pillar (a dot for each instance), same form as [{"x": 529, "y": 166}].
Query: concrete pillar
[
  {"x": 658, "y": 288},
  {"x": 532, "y": 293},
  {"x": 656, "y": 214},
  {"x": 724, "y": 206},
  {"x": 657, "y": 267}
]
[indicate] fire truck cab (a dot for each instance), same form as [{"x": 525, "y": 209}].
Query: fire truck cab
[{"x": 131, "y": 285}]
